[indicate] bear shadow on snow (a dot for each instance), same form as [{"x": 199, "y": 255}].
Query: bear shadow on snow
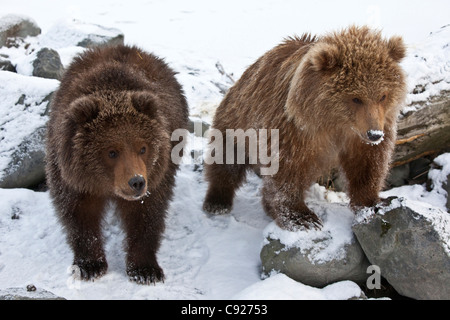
[
  {"x": 335, "y": 101},
  {"x": 109, "y": 139}
]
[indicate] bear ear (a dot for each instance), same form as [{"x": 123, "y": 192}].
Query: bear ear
[
  {"x": 324, "y": 56},
  {"x": 144, "y": 102},
  {"x": 84, "y": 110},
  {"x": 397, "y": 49}
]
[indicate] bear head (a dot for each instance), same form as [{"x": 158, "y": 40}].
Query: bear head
[
  {"x": 114, "y": 144},
  {"x": 350, "y": 80}
]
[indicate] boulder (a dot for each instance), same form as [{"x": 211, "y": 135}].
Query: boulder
[
  {"x": 27, "y": 167},
  {"x": 6, "y": 65},
  {"x": 47, "y": 64},
  {"x": 24, "y": 113},
  {"x": 316, "y": 257},
  {"x": 410, "y": 242},
  {"x": 16, "y": 26}
]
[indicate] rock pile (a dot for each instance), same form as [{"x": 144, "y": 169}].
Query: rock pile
[{"x": 406, "y": 241}]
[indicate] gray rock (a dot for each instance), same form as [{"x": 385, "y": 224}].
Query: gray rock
[
  {"x": 15, "y": 26},
  {"x": 411, "y": 245},
  {"x": 94, "y": 40},
  {"x": 296, "y": 264},
  {"x": 317, "y": 257},
  {"x": 23, "y": 114},
  {"x": 28, "y": 293},
  {"x": 27, "y": 167},
  {"x": 6, "y": 65},
  {"x": 47, "y": 64}
]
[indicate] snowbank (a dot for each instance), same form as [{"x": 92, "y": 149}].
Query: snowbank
[
  {"x": 281, "y": 287},
  {"x": 428, "y": 67}
]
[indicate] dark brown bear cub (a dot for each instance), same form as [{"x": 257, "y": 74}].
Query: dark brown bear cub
[
  {"x": 109, "y": 139},
  {"x": 335, "y": 101}
]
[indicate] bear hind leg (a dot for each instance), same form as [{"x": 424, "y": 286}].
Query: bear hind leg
[{"x": 223, "y": 180}]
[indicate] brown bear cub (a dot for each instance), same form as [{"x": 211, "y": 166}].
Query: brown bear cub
[
  {"x": 109, "y": 139},
  {"x": 335, "y": 101}
]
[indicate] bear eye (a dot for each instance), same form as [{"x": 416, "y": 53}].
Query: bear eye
[
  {"x": 383, "y": 98},
  {"x": 113, "y": 154},
  {"x": 357, "y": 101},
  {"x": 143, "y": 150}
]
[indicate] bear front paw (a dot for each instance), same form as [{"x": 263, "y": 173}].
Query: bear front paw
[
  {"x": 145, "y": 274},
  {"x": 216, "y": 208},
  {"x": 89, "y": 270}
]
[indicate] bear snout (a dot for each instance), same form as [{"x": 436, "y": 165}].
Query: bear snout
[
  {"x": 375, "y": 136},
  {"x": 137, "y": 183},
  {"x": 133, "y": 189}
]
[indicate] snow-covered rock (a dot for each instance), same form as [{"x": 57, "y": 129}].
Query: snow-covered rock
[
  {"x": 317, "y": 257},
  {"x": 69, "y": 33},
  {"x": 23, "y": 113},
  {"x": 410, "y": 242},
  {"x": 28, "y": 293},
  {"x": 13, "y": 26}
]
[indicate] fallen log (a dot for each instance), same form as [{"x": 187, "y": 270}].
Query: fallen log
[{"x": 425, "y": 131}]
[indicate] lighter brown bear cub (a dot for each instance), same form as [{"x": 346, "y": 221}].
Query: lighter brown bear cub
[
  {"x": 109, "y": 140},
  {"x": 335, "y": 101}
]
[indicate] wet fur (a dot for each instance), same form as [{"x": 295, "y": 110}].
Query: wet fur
[
  {"x": 114, "y": 98},
  {"x": 306, "y": 87}
]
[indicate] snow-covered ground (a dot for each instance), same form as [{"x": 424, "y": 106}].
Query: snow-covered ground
[{"x": 204, "y": 257}]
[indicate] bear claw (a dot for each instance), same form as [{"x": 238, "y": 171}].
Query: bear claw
[
  {"x": 297, "y": 223},
  {"x": 89, "y": 270},
  {"x": 215, "y": 208},
  {"x": 145, "y": 275}
]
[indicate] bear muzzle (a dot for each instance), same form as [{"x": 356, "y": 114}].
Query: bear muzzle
[
  {"x": 137, "y": 183},
  {"x": 135, "y": 189},
  {"x": 375, "y": 136}
]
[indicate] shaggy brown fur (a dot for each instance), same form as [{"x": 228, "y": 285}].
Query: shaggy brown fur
[
  {"x": 332, "y": 98},
  {"x": 109, "y": 139}
]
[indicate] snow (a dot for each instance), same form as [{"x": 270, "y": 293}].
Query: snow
[
  {"x": 281, "y": 287},
  {"x": 428, "y": 67},
  {"x": 203, "y": 257}
]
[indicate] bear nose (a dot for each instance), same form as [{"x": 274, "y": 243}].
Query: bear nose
[
  {"x": 137, "y": 183},
  {"x": 375, "y": 135}
]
